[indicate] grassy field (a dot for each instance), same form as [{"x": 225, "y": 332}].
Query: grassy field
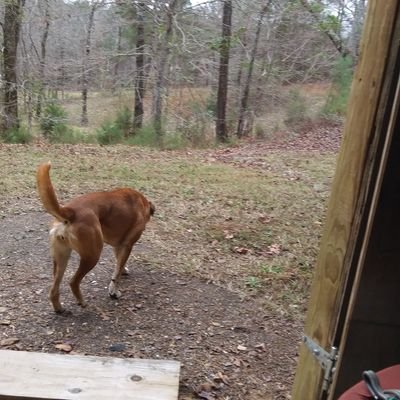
[{"x": 252, "y": 227}]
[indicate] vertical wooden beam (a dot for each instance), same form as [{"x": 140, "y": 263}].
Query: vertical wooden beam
[{"x": 354, "y": 167}]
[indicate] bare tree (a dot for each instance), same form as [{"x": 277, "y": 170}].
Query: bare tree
[
  {"x": 42, "y": 61},
  {"x": 333, "y": 35},
  {"x": 246, "y": 91},
  {"x": 140, "y": 75},
  {"x": 11, "y": 31},
  {"x": 222, "y": 93},
  {"x": 164, "y": 51},
  {"x": 85, "y": 79},
  {"x": 117, "y": 59}
]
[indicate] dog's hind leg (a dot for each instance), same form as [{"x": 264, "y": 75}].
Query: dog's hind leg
[
  {"x": 121, "y": 254},
  {"x": 61, "y": 254},
  {"x": 85, "y": 265},
  {"x": 88, "y": 243}
]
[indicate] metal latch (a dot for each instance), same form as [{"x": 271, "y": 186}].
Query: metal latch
[{"x": 326, "y": 360}]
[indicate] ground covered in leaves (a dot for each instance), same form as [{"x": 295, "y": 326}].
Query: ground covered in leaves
[{"x": 219, "y": 281}]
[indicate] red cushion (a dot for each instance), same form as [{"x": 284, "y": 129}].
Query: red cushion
[{"x": 388, "y": 377}]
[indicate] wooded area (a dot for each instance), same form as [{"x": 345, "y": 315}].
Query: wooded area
[{"x": 239, "y": 54}]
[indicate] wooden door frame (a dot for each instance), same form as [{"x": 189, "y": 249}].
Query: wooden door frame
[{"x": 351, "y": 197}]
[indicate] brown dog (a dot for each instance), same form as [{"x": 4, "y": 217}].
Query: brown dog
[{"x": 117, "y": 217}]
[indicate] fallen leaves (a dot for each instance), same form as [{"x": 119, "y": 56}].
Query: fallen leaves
[
  {"x": 209, "y": 390},
  {"x": 9, "y": 341},
  {"x": 264, "y": 219},
  {"x": 220, "y": 377},
  {"x": 261, "y": 347},
  {"x": 241, "y": 250},
  {"x": 65, "y": 347},
  {"x": 274, "y": 250},
  {"x": 206, "y": 395}
]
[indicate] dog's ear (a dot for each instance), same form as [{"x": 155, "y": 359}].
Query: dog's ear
[{"x": 152, "y": 208}]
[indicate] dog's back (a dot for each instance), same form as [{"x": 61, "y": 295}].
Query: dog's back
[{"x": 124, "y": 208}]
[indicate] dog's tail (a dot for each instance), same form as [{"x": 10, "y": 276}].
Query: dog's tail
[{"x": 48, "y": 196}]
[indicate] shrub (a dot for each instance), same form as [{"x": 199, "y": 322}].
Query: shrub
[
  {"x": 123, "y": 121},
  {"x": 211, "y": 105},
  {"x": 195, "y": 131},
  {"x": 174, "y": 141},
  {"x": 336, "y": 103},
  {"x": 296, "y": 112},
  {"x": 146, "y": 137},
  {"x": 70, "y": 136},
  {"x": 109, "y": 133},
  {"x": 197, "y": 128},
  {"x": 20, "y": 135},
  {"x": 112, "y": 132},
  {"x": 53, "y": 121}
]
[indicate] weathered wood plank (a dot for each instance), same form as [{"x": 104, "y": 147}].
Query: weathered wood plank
[
  {"x": 27, "y": 375},
  {"x": 351, "y": 179}
]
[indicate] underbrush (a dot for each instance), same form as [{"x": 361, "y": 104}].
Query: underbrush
[
  {"x": 19, "y": 135},
  {"x": 189, "y": 115}
]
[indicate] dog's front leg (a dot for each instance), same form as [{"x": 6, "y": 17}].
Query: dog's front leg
[{"x": 121, "y": 254}]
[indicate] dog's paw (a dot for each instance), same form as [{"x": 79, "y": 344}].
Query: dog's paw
[
  {"x": 64, "y": 313},
  {"x": 58, "y": 308},
  {"x": 113, "y": 291},
  {"x": 115, "y": 295}
]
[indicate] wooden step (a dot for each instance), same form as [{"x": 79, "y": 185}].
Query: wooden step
[{"x": 28, "y": 375}]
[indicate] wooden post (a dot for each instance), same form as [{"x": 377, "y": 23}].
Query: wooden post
[{"x": 349, "y": 190}]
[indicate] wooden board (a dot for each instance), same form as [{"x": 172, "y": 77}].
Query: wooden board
[
  {"x": 349, "y": 195},
  {"x": 27, "y": 375}
]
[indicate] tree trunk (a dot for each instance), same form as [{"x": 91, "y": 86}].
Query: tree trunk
[
  {"x": 241, "y": 131},
  {"x": 356, "y": 29},
  {"x": 85, "y": 78},
  {"x": 161, "y": 70},
  {"x": 242, "y": 56},
  {"x": 116, "y": 81},
  {"x": 61, "y": 77},
  {"x": 11, "y": 29},
  {"x": 140, "y": 77},
  {"x": 43, "y": 58},
  {"x": 222, "y": 93}
]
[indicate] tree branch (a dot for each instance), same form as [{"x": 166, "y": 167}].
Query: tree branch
[{"x": 333, "y": 37}]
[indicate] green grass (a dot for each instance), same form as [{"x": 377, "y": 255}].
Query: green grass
[{"x": 253, "y": 230}]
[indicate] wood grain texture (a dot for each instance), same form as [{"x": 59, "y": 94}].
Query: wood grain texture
[
  {"x": 348, "y": 189},
  {"x": 28, "y": 375}
]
